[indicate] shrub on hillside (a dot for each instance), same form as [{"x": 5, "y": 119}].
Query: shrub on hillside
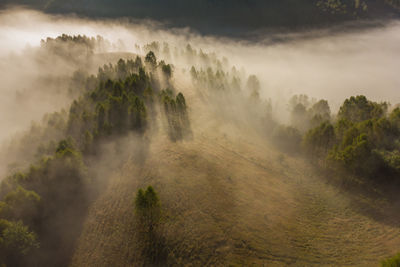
[
  {"x": 392, "y": 262},
  {"x": 148, "y": 215}
]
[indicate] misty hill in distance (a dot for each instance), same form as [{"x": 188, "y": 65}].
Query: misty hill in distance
[{"x": 226, "y": 17}]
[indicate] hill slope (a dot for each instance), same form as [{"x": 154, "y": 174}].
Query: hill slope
[
  {"x": 232, "y": 199},
  {"x": 229, "y": 198}
]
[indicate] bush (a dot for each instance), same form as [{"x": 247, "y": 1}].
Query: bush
[
  {"x": 148, "y": 215},
  {"x": 16, "y": 241},
  {"x": 392, "y": 262},
  {"x": 148, "y": 209}
]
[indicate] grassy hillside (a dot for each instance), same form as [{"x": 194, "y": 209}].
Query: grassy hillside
[
  {"x": 230, "y": 199},
  {"x": 237, "y": 187}
]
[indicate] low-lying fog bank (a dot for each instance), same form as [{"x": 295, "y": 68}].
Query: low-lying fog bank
[{"x": 332, "y": 67}]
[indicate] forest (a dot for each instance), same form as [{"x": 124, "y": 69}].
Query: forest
[
  {"x": 37, "y": 204},
  {"x": 246, "y": 17}
]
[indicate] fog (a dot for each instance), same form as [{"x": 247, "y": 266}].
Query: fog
[
  {"x": 217, "y": 138},
  {"x": 327, "y": 65}
]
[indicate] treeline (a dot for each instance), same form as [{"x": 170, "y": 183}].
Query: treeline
[
  {"x": 42, "y": 208},
  {"x": 234, "y": 96},
  {"x": 176, "y": 114},
  {"x": 342, "y": 7},
  {"x": 72, "y": 41},
  {"x": 47, "y": 202},
  {"x": 64, "y": 45},
  {"x": 187, "y": 54},
  {"x": 246, "y": 17},
  {"x": 77, "y": 51},
  {"x": 363, "y": 139}
]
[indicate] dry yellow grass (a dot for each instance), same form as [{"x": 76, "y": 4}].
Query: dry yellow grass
[
  {"x": 231, "y": 202},
  {"x": 230, "y": 199}
]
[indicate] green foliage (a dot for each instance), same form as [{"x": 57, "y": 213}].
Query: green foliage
[
  {"x": 16, "y": 241},
  {"x": 38, "y": 141},
  {"x": 65, "y": 148},
  {"x": 392, "y": 262},
  {"x": 181, "y": 103},
  {"x": 359, "y": 108},
  {"x": 391, "y": 159},
  {"x": 363, "y": 140},
  {"x": 319, "y": 140},
  {"x": 122, "y": 69},
  {"x": 20, "y": 204},
  {"x": 176, "y": 114},
  {"x": 395, "y": 119},
  {"x": 17, "y": 238},
  {"x": 73, "y": 48},
  {"x": 153, "y": 46},
  {"x": 148, "y": 95},
  {"x": 306, "y": 114},
  {"x": 148, "y": 208},
  {"x": 319, "y": 113},
  {"x": 45, "y": 197},
  {"x": 138, "y": 114},
  {"x": 114, "y": 107},
  {"x": 88, "y": 142},
  {"x": 360, "y": 143},
  {"x": 167, "y": 70},
  {"x": 77, "y": 83},
  {"x": 218, "y": 80},
  {"x": 59, "y": 181},
  {"x": 355, "y": 155},
  {"x": 148, "y": 214},
  {"x": 151, "y": 59},
  {"x": 101, "y": 116}
]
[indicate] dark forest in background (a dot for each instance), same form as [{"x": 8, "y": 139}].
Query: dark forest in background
[{"x": 223, "y": 17}]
